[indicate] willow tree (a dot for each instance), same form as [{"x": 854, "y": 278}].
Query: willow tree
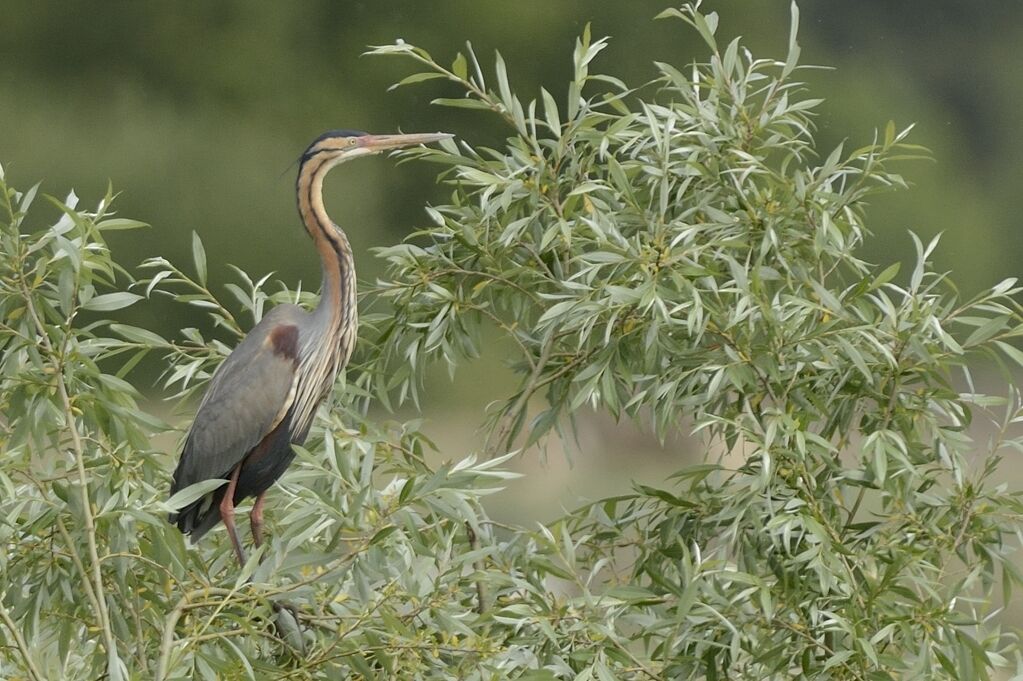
[{"x": 678, "y": 254}]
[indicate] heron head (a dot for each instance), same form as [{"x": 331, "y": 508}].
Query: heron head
[{"x": 337, "y": 146}]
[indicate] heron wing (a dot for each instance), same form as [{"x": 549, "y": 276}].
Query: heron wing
[{"x": 247, "y": 398}]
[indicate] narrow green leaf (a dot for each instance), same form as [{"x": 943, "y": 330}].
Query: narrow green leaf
[
  {"x": 117, "y": 224},
  {"x": 461, "y": 103},
  {"x": 111, "y": 301},
  {"x": 383, "y": 534},
  {"x": 138, "y": 335},
  {"x": 886, "y": 275},
  {"x": 460, "y": 67},
  {"x": 199, "y": 258},
  {"x": 417, "y": 78},
  {"x": 186, "y": 496}
]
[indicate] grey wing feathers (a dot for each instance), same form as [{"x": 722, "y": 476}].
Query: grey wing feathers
[{"x": 245, "y": 400}]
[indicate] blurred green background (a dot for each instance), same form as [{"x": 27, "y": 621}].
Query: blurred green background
[{"x": 195, "y": 112}]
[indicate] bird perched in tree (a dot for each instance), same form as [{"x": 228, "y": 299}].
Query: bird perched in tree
[{"x": 263, "y": 398}]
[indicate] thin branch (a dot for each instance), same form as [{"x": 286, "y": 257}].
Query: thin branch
[
  {"x": 77, "y": 560},
  {"x": 502, "y": 433},
  {"x": 481, "y": 588},
  {"x": 186, "y": 602},
  {"x": 19, "y": 642},
  {"x": 68, "y": 541},
  {"x": 893, "y": 397},
  {"x": 83, "y": 479}
]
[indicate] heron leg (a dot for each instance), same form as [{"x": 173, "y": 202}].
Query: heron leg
[
  {"x": 256, "y": 520},
  {"x": 227, "y": 514}
]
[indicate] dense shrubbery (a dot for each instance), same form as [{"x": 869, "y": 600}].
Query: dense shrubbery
[{"x": 672, "y": 254}]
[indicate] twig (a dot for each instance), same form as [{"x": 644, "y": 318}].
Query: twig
[
  {"x": 502, "y": 432},
  {"x": 77, "y": 560},
  {"x": 189, "y": 601},
  {"x": 83, "y": 480},
  {"x": 893, "y": 397},
  {"x": 19, "y": 642},
  {"x": 819, "y": 644},
  {"x": 171, "y": 621},
  {"x": 66, "y": 537},
  {"x": 481, "y": 588}
]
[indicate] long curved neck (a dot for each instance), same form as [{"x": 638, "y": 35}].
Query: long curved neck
[{"x": 337, "y": 306}]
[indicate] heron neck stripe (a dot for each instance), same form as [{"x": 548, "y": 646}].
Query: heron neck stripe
[
  {"x": 314, "y": 171},
  {"x": 344, "y": 262},
  {"x": 322, "y": 368},
  {"x": 317, "y": 212},
  {"x": 312, "y": 154}
]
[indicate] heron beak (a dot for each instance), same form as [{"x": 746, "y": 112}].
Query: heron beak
[{"x": 378, "y": 143}]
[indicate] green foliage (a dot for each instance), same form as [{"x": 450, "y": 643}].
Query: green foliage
[{"x": 673, "y": 254}]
